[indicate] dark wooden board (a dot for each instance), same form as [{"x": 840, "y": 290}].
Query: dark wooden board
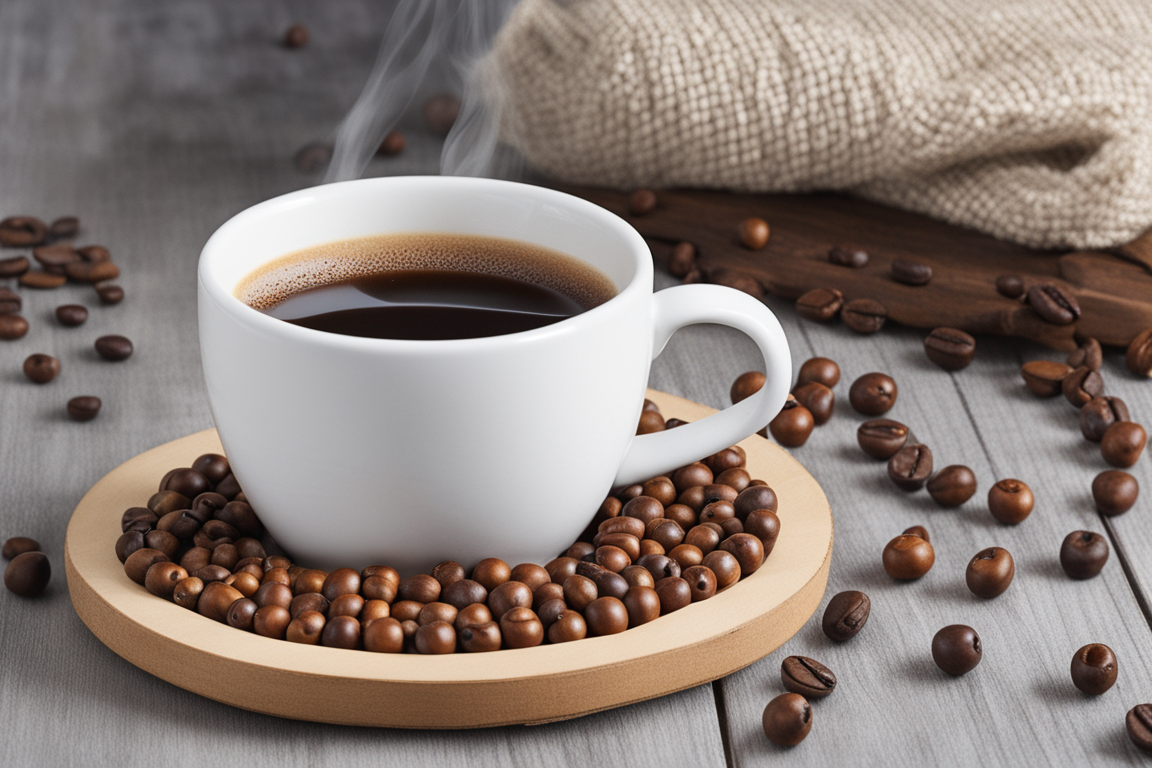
[{"x": 1114, "y": 289}]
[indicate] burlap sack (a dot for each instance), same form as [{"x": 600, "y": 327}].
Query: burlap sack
[{"x": 1028, "y": 119}]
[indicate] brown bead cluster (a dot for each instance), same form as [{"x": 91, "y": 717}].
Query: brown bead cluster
[{"x": 652, "y": 548}]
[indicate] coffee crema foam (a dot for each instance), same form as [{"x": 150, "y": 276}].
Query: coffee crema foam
[{"x": 345, "y": 260}]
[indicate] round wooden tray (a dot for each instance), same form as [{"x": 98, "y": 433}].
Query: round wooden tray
[{"x": 699, "y": 643}]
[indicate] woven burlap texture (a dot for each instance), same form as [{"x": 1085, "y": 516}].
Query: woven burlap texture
[{"x": 1027, "y": 119}]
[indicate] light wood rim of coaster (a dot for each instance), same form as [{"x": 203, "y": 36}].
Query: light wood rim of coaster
[{"x": 700, "y": 643}]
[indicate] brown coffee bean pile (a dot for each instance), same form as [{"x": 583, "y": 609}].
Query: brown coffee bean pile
[{"x": 651, "y": 549}]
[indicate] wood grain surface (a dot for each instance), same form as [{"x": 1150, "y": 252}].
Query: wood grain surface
[{"x": 156, "y": 122}]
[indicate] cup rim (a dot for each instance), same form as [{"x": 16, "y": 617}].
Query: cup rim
[{"x": 222, "y": 296}]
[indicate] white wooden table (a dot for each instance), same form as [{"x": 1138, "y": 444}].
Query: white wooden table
[{"x": 155, "y": 122}]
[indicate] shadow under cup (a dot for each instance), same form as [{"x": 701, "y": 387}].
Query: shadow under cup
[{"x": 357, "y": 451}]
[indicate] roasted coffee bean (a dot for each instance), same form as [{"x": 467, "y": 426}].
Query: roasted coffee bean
[
  {"x": 644, "y": 508},
  {"x": 305, "y": 629},
  {"x": 753, "y": 233},
  {"x": 818, "y": 399},
  {"x": 521, "y": 628},
  {"x": 440, "y": 113},
  {"x": 608, "y": 583},
  {"x": 792, "y": 426},
  {"x": 807, "y": 677},
  {"x": 421, "y": 587},
  {"x": 746, "y": 385},
  {"x": 187, "y": 482},
  {"x": 42, "y": 280},
  {"x": 84, "y": 408},
  {"x": 848, "y": 256},
  {"x": 71, "y": 315},
  {"x": 28, "y": 573},
  {"x": 881, "y": 438},
  {"x": 682, "y": 260},
  {"x": 346, "y": 581},
  {"x": 211, "y": 573},
  {"x": 309, "y": 601},
  {"x": 764, "y": 525},
  {"x": 137, "y": 565},
  {"x": 1081, "y": 386},
  {"x": 271, "y": 621},
  {"x": 606, "y": 616},
  {"x": 642, "y": 202},
  {"x": 1138, "y": 723},
  {"x": 949, "y": 348},
  {"x": 14, "y": 266},
  {"x": 819, "y": 369},
  {"x": 1053, "y": 304},
  {"x": 55, "y": 258},
  {"x": 509, "y": 595},
  {"x": 725, "y": 566},
  {"x": 747, "y": 549},
  {"x": 787, "y": 719},
  {"x": 163, "y": 502},
  {"x": 242, "y": 614},
  {"x": 1122, "y": 443},
  {"x": 864, "y": 315},
  {"x": 686, "y": 477},
  {"x": 918, "y": 530},
  {"x": 138, "y": 519},
  {"x": 1098, "y": 414},
  {"x": 94, "y": 254},
  {"x": 213, "y": 466},
  {"x": 91, "y": 272},
  {"x": 911, "y": 272},
  {"x": 491, "y": 573},
  {"x": 755, "y": 497},
  {"x": 1114, "y": 492},
  {"x": 18, "y": 545},
  {"x": 296, "y": 36},
  {"x": 1044, "y": 377},
  {"x": 660, "y": 566},
  {"x": 579, "y": 591},
  {"x": 567, "y": 627},
  {"x": 1083, "y": 554},
  {"x": 41, "y": 369},
  {"x": 12, "y": 327},
  {"x": 480, "y": 638},
  {"x": 845, "y": 615},
  {"x": 10, "y": 301},
  {"x": 1010, "y": 501},
  {"x": 435, "y": 638},
  {"x": 952, "y": 486},
  {"x": 273, "y": 593},
  {"x": 561, "y": 568},
  {"x": 1139, "y": 355},
  {"x": 642, "y": 605},
  {"x": 1010, "y": 286},
  {"x": 216, "y": 599},
  {"x": 910, "y": 467},
  {"x": 110, "y": 294},
  {"x": 650, "y": 421},
  {"x": 639, "y": 576},
  {"x": 530, "y": 574},
  {"x": 701, "y": 582},
  {"x": 163, "y": 541},
  {"x": 1094, "y": 669},
  {"x": 662, "y": 489},
  {"x": 392, "y": 144},
  {"x": 736, "y": 478},
  {"x": 477, "y": 613},
  {"x": 195, "y": 559},
  {"x": 674, "y": 593},
  {"x": 990, "y": 572},
  {"x": 957, "y": 649},
  {"x": 820, "y": 304},
  {"x": 186, "y": 594},
  {"x": 114, "y": 348},
  {"x": 406, "y": 610},
  {"x": 873, "y": 394},
  {"x": 1089, "y": 354},
  {"x": 312, "y": 580},
  {"x": 22, "y": 231},
  {"x": 667, "y": 532},
  {"x": 908, "y": 557},
  {"x": 741, "y": 281},
  {"x": 64, "y": 227}
]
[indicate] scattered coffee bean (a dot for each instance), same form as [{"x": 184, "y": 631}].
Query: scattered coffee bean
[
  {"x": 1138, "y": 723},
  {"x": 1139, "y": 356},
  {"x": 86, "y": 272},
  {"x": 818, "y": 399},
  {"x": 957, "y": 649},
  {"x": 1083, "y": 554},
  {"x": 683, "y": 259},
  {"x": 1081, "y": 385},
  {"x": 908, "y": 557},
  {"x": 296, "y": 36},
  {"x": 18, "y": 545},
  {"x": 949, "y": 348},
  {"x": 864, "y": 315},
  {"x": 807, "y": 677},
  {"x": 873, "y": 394},
  {"x": 845, "y": 615},
  {"x": 28, "y": 574},
  {"x": 22, "y": 231},
  {"x": 41, "y": 369},
  {"x": 14, "y": 266},
  {"x": 84, "y": 408},
  {"x": 746, "y": 385},
  {"x": 881, "y": 438},
  {"x": 819, "y": 369},
  {"x": 733, "y": 278},
  {"x": 12, "y": 327},
  {"x": 911, "y": 272},
  {"x": 1122, "y": 444},
  {"x": 10, "y": 301},
  {"x": 56, "y": 257},
  {"x": 1010, "y": 286},
  {"x": 1044, "y": 377},
  {"x": 392, "y": 144},
  {"x": 793, "y": 425},
  {"x": 910, "y": 467},
  {"x": 642, "y": 202},
  {"x": 71, "y": 315},
  {"x": 1114, "y": 492},
  {"x": 114, "y": 348},
  {"x": 820, "y": 304},
  {"x": 753, "y": 233},
  {"x": 952, "y": 486},
  {"x": 918, "y": 530},
  {"x": 848, "y": 256},
  {"x": 94, "y": 253},
  {"x": 990, "y": 572},
  {"x": 440, "y": 113},
  {"x": 1010, "y": 501},
  {"x": 110, "y": 294},
  {"x": 1053, "y": 304},
  {"x": 1098, "y": 414},
  {"x": 1089, "y": 354},
  {"x": 42, "y": 280},
  {"x": 313, "y": 157},
  {"x": 64, "y": 227},
  {"x": 1094, "y": 669},
  {"x": 787, "y": 719}
]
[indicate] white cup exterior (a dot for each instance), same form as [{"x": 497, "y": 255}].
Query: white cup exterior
[{"x": 356, "y": 451}]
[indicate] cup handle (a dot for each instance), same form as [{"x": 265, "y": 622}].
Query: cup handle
[{"x": 672, "y": 309}]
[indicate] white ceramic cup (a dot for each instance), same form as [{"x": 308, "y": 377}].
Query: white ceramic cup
[{"x": 356, "y": 451}]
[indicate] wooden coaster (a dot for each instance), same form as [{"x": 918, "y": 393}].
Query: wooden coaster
[{"x": 694, "y": 645}]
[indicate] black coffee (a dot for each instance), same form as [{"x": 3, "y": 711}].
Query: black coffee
[{"x": 425, "y": 287}]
